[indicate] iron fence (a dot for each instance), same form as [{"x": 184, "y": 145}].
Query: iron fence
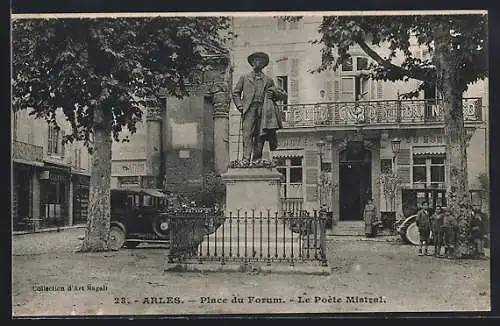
[{"x": 290, "y": 238}]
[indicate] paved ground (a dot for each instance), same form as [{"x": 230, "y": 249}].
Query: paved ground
[{"x": 121, "y": 281}]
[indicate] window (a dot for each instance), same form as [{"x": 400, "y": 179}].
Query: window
[
  {"x": 347, "y": 65},
  {"x": 355, "y": 63},
  {"x": 361, "y": 63},
  {"x": 291, "y": 169},
  {"x": 347, "y": 89},
  {"x": 54, "y": 145},
  {"x": 429, "y": 170},
  {"x": 283, "y": 84}
]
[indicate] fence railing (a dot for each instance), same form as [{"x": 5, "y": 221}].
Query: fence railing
[
  {"x": 292, "y": 205},
  {"x": 249, "y": 238},
  {"x": 378, "y": 112}
]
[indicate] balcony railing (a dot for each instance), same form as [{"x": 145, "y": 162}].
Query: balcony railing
[
  {"x": 27, "y": 152},
  {"x": 380, "y": 112}
]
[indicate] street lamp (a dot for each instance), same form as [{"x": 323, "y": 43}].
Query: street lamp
[{"x": 396, "y": 145}]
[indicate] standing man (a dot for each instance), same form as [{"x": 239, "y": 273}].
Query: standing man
[
  {"x": 477, "y": 232},
  {"x": 254, "y": 96},
  {"x": 424, "y": 228}
]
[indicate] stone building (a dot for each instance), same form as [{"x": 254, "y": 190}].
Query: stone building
[
  {"x": 50, "y": 179},
  {"x": 173, "y": 147},
  {"x": 339, "y": 126}
]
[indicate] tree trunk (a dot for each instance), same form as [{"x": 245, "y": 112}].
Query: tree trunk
[
  {"x": 450, "y": 91},
  {"x": 99, "y": 217}
]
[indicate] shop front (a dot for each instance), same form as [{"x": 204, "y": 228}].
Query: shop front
[{"x": 54, "y": 195}]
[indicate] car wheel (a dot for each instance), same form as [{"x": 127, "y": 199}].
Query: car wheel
[
  {"x": 116, "y": 237},
  {"x": 161, "y": 227},
  {"x": 412, "y": 234},
  {"x": 131, "y": 244}
]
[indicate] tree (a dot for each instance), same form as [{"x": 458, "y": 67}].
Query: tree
[
  {"x": 459, "y": 47},
  {"x": 102, "y": 73}
]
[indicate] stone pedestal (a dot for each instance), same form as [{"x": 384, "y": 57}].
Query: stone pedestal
[{"x": 252, "y": 189}]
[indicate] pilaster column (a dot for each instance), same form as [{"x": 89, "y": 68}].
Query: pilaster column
[{"x": 221, "y": 103}]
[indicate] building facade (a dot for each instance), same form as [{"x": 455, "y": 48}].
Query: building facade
[
  {"x": 335, "y": 149},
  {"x": 50, "y": 179}
]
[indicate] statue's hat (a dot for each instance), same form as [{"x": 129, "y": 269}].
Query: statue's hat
[{"x": 258, "y": 55}]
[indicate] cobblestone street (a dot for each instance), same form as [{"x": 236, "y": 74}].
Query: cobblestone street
[{"x": 119, "y": 282}]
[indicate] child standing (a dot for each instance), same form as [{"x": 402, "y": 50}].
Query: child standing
[
  {"x": 424, "y": 228},
  {"x": 436, "y": 224}
]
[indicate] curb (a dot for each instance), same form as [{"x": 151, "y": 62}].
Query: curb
[
  {"x": 242, "y": 268},
  {"x": 55, "y": 229}
]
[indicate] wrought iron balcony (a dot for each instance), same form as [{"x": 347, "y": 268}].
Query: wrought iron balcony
[
  {"x": 27, "y": 152},
  {"x": 372, "y": 113}
]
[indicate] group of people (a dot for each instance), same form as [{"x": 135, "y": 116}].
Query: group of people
[{"x": 442, "y": 228}]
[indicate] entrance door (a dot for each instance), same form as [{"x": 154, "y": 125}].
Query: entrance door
[{"x": 354, "y": 185}]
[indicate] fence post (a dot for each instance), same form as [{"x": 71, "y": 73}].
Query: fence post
[{"x": 322, "y": 238}]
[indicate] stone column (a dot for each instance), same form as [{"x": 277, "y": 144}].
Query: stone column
[
  {"x": 153, "y": 146},
  {"x": 221, "y": 102}
]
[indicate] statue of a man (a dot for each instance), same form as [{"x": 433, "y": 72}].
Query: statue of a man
[{"x": 254, "y": 96}]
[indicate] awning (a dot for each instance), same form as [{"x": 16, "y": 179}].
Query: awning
[
  {"x": 429, "y": 150},
  {"x": 287, "y": 153}
]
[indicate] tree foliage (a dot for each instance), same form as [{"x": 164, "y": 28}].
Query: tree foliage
[{"x": 119, "y": 64}]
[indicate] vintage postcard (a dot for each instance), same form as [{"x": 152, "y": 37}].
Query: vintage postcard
[{"x": 250, "y": 163}]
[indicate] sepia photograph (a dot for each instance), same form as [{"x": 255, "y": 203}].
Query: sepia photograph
[{"x": 211, "y": 163}]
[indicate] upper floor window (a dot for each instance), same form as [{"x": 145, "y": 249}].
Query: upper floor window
[
  {"x": 55, "y": 145},
  {"x": 282, "y": 82},
  {"x": 355, "y": 63}
]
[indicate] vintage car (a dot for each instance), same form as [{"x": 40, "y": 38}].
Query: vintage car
[{"x": 138, "y": 216}]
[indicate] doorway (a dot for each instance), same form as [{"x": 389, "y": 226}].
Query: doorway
[{"x": 354, "y": 183}]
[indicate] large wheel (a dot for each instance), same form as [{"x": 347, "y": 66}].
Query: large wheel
[
  {"x": 161, "y": 227},
  {"x": 116, "y": 237},
  {"x": 412, "y": 234}
]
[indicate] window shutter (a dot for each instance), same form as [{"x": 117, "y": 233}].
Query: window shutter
[
  {"x": 294, "y": 81},
  {"x": 404, "y": 165},
  {"x": 336, "y": 90},
  {"x": 379, "y": 89},
  {"x": 329, "y": 90},
  {"x": 311, "y": 178}
]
